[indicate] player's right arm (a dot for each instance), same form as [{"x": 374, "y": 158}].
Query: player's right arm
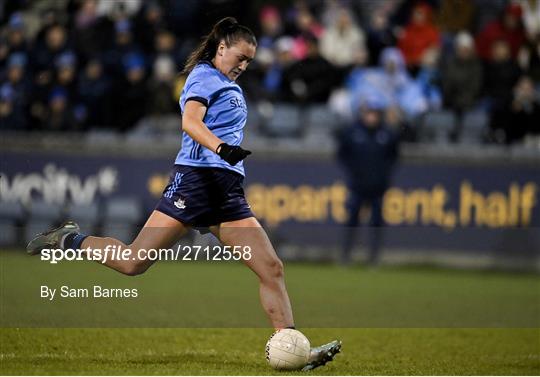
[{"x": 193, "y": 125}]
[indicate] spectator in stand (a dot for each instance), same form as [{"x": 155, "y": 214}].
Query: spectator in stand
[
  {"x": 16, "y": 34},
  {"x": 161, "y": 87},
  {"x": 531, "y": 17},
  {"x": 419, "y": 35},
  {"x": 87, "y": 30},
  {"x": 148, "y": 23},
  {"x": 44, "y": 55},
  {"x": 19, "y": 83},
  {"x": 306, "y": 27},
  {"x": 501, "y": 74},
  {"x": 123, "y": 46},
  {"x": 529, "y": 60},
  {"x": 130, "y": 95},
  {"x": 379, "y": 34},
  {"x": 461, "y": 79},
  {"x": 4, "y": 53},
  {"x": 271, "y": 26},
  {"x": 390, "y": 83},
  {"x": 66, "y": 74},
  {"x": 165, "y": 43},
  {"x": 9, "y": 118},
  {"x": 59, "y": 116},
  {"x": 526, "y": 106},
  {"x": 39, "y": 98},
  {"x": 310, "y": 79},
  {"x": 520, "y": 117},
  {"x": 428, "y": 78},
  {"x": 343, "y": 42},
  {"x": 47, "y": 18},
  {"x": 529, "y": 56},
  {"x": 277, "y": 62},
  {"x": 507, "y": 27},
  {"x": 93, "y": 92}
]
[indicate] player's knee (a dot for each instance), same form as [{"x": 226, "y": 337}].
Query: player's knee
[{"x": 275, "y": 269}]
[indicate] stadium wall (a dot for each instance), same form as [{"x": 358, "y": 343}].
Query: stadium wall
[{"x": 436, "y": 210}]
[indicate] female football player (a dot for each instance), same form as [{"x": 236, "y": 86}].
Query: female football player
[{"x": 205, "y": 190}]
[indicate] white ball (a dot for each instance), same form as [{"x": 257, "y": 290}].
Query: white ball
[{"x": 287, "y": 349}]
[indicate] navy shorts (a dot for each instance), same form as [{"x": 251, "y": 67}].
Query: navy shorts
[{"x": 201, "y": 197}]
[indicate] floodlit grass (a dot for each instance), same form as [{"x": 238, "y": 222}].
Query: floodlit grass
[
  {"x": 205, "y": 319},
  {"x": 241, "y": 351}
]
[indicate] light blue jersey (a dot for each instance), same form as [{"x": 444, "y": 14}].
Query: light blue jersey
[{"x": 225, "y": 116}]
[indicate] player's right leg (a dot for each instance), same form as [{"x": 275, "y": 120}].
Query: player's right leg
[
  {"x": 160, "y": 232},
  {"x": 321, "y": 355},
  {"x": 268, "y": 267},
  {"x": 265, "y": 263}
]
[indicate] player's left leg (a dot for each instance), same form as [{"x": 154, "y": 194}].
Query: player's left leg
[{"x": 265, "y": 263}]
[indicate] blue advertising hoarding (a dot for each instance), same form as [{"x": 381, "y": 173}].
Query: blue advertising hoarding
[{"x": 441, "y": 206}]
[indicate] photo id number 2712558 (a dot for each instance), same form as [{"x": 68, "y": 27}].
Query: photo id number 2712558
[{"x": 214, "y": 253}]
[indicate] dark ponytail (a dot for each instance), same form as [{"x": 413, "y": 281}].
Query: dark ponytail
[{"x": 227, "y": 30}]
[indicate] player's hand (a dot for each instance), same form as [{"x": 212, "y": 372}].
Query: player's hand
[{"x": 233, "y": 154}]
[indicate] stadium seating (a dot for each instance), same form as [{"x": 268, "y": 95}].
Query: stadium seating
[
  {"x": 436, "y": 126},
  {"x": 321, "y": 122},
  {"x": 475, "y": 123},
  {"x": 102, "y": 136},
  {"x": 253, "y": 122},
  {"x": 281, "y": 120},
  {"x": 320, "y": 117}
]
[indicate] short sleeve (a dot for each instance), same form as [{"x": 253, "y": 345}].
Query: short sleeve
[
  {"x": 201, "y": 85},
  {"x": 197, "y": 91}
]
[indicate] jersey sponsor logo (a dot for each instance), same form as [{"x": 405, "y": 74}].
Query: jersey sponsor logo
[{"x": 238, "y": 103}]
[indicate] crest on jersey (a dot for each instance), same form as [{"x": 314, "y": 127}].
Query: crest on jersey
[{"x": 180, "y": 203}]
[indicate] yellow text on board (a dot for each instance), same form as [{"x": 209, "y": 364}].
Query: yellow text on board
[
  {"x": 415, "y": 206},
  {"x": 418, "y": 206}
]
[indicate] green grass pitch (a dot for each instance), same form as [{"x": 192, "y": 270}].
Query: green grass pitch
[{"x": 204, "y": 319}]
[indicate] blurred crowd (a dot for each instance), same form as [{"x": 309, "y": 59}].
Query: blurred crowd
[{"x": 80, "y": 64}]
